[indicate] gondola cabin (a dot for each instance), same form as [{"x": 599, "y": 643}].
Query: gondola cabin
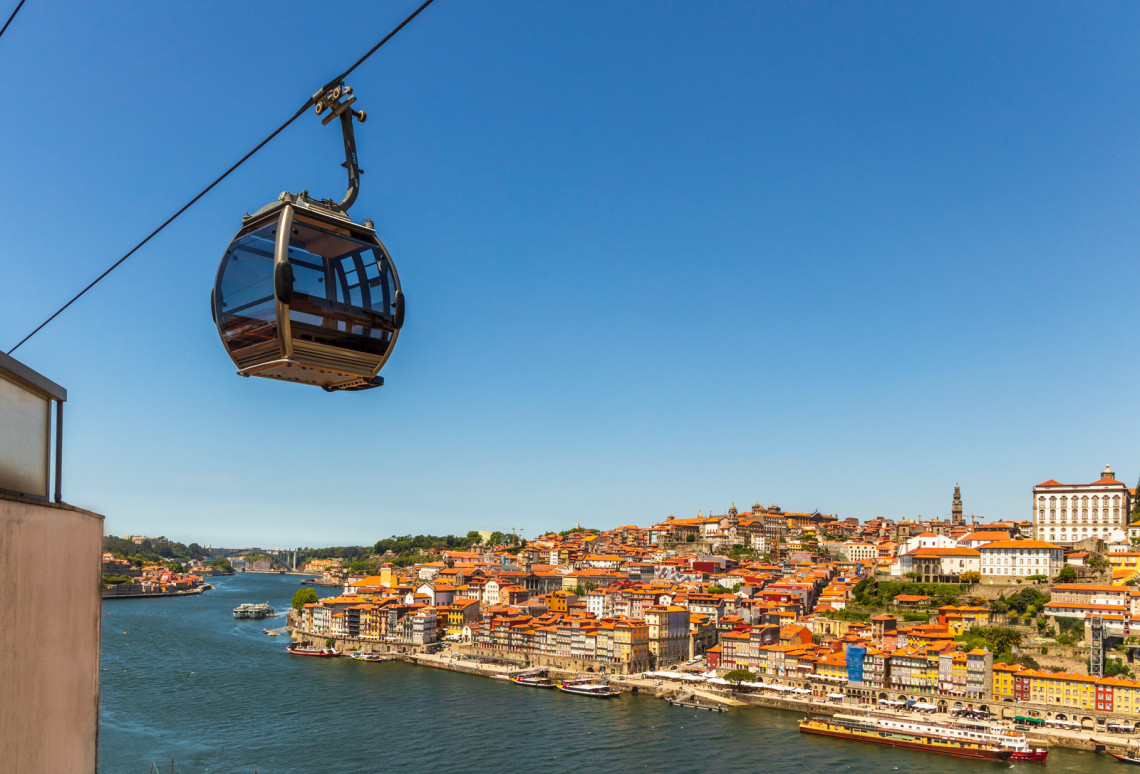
[{"x": 304, "y": 294}]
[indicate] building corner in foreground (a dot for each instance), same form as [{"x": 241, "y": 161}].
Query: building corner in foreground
[{"x": 50, "y": 566}]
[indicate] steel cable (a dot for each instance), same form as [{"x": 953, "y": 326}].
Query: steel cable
[{"x": 220, "y": 178}]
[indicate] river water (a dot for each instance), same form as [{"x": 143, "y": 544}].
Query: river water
[{"x": 182, "y": 679}]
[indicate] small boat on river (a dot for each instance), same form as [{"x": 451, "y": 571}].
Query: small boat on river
[
  {"x": 1126, "y": 759},
  {"x": 371, "y": 656},
  {"x": 303, "y": 650},
  {"x": 582, "y": 688},
  {"x": 533, "y": 681}
]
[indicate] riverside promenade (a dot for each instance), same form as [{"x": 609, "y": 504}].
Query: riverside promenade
[
  {"x": 658, "y": 687},
  {"x": 1076, "y": 739}
]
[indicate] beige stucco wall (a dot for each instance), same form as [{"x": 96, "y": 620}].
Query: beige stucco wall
[{"x": 50, "y": 562}]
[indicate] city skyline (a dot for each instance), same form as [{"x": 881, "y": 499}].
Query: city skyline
[{"x": 829, "y": 258}]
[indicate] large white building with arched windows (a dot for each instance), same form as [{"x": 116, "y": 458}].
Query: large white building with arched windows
[{"x": 1068, "y": 513}]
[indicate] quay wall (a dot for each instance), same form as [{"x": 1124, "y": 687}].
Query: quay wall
[{"x": 452, "y": 660}]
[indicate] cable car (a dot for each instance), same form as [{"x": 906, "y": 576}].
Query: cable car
[{"x": 305, "y": 294}]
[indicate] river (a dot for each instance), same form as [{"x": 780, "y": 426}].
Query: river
[{"x": 181, "y": 679}]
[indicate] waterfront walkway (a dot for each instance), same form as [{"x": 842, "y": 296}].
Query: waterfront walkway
[{"x": 1078, "y": 739}]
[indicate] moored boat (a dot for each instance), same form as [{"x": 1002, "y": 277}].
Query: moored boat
[
  {"x": 303, "y": 650},
  {"x": 581, "y": 688},
  {"x": 371, "y": 656},
  {"x": 533, "y": 681},
  {"x": 690, "y": 704},
  {"x": 1126, "y": 759},
  {"x": 874, "y": 733},
  {"x": 992, "y": 734}
]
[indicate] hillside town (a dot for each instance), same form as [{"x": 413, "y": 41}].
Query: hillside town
[{"x": 1032, "y": 615}]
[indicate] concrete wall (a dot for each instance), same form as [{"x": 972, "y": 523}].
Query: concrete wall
[{"x": 50, "y": 565}]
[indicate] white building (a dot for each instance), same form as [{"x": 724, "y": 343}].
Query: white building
[
  {"x": 975, "y": 539},
  {"x": 491, "y": 593},
  {"x": 857, "y": 552},
  {"x": 904, "y": 562},
  {"x": 949, "y": 561},
  {"x": 424, "y": 626},
  {"x": 600, "y": 602},
  {"x": 1004, "y": 560},
  {"x": 1067, "y": 513}
]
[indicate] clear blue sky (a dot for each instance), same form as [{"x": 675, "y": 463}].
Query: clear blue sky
[{"x": 659, "y": 257}]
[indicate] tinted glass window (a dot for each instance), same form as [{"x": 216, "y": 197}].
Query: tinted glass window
[
  {"x": 342, "y": 289},
  {"x": 245, "y": 301}
]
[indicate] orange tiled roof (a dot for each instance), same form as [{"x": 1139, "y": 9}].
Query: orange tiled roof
[{"x": 1019, "y": 544}]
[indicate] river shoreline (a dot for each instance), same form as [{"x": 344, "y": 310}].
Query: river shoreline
[
  {"x": 156, "y": 594},
  {"x": 1077, "y": 739}
]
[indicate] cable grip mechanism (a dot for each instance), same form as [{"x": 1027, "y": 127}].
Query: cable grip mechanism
[{"x": 337, "y": 99}]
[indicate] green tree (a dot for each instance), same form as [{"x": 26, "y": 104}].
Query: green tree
[
  {"x": 861, "y": 592},
  {"x": 1067, "y": 575},
  {"x": 362, "y": 566},
  {"x": 474, "y": 538},
  {"x": 497, "y": 539},
  {"x": 175, "y": 567},
  {"x": 303, "y": 596},
  {"x": 1114, "y": 668},
  {"x": 1002, "y": 640},
  {"x": 739, "y": 676}
]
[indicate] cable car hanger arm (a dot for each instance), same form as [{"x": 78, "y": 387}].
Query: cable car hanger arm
[{"x": 330, "y": 98}]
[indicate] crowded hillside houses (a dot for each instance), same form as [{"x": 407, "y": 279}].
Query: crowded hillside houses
[{"x": 876, "y": 610}]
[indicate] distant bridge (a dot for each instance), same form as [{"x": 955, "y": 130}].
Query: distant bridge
[{"x": 285, "y": 557}]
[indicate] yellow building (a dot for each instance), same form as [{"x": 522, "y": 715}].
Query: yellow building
[
  {"x": 1003, "y": 681},
  {"x": 833, "y": 666},
  {"x": 560, "y": 601},
  {"x": 631, "y": 645},
  {"x": 1124, "y": 561},
  {"x": 1068, "y": 691},
  {"x": 962, "y": 617}
]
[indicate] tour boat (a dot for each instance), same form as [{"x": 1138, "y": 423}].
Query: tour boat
[
  {"x": 1002, "y": 737},
  {"x": 533, "y": 681},
  {"x": 1126, "y": 759},
  {"x": 861, "y": 730},
  {"x": 991, "y": 734},
  {"x": 301, "y": 650},
  {"x": 597, "y": 690},
  {"x": 251, "y": 610},
  {"x": 371, "y": 656}
]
